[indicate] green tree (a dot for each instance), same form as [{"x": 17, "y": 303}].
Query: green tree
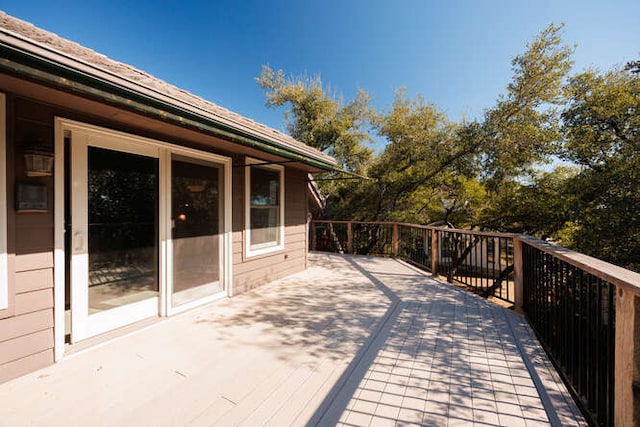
[
  {"x": 433, "y": 169},
  {"x": 602, "y": 131},
  {"x": 425, "y": 162},
  {"x": 319, "y": 119},
  {"x": 540, "y": 207},
  {"x": 522, "y": 130}
]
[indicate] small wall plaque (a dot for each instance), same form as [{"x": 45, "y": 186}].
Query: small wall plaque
[{"x": 31, "y": 198}]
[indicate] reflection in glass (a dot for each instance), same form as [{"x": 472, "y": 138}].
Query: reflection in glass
[
  {"x": 265, "y": 207},
  {"x": 195, "y": 199},
  {"x": 123, "y": 224}
]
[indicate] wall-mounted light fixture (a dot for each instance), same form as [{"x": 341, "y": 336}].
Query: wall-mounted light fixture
[{"x": 38, "y": 162}]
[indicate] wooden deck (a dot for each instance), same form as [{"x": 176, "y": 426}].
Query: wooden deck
[{"x": 351, "y": 341}]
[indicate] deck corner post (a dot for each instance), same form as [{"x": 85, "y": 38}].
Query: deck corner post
[
  {"x": 349, "y": 237},
  {"x": 312, "y": 230},
  {"x": 395, "y": 240},
  {"x": 627, "y": 344},
  {"x": 435, "y": 255},
  {"x": 518, "y": 279}
]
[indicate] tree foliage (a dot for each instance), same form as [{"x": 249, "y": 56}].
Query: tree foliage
[
  {"x": 433, "y": 169},
  {"x": 318, "y": 119},
  {"x": 486, "y": 173},
  {"x": 423, "y": 160},
  {"x": 523, "y": 127},
  {"x": 602, "y": 134},
  {"x": 538, "y": 207},
  {"x": 602, "y": 118}
]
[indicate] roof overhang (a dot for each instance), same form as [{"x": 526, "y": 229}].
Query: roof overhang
[{"x": 24, "y": 58}]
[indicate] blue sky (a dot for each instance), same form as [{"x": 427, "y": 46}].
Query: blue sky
[{"x": 456, "y": 54}]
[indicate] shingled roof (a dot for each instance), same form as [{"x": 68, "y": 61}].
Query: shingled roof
[{"x": 23, "y": 43}]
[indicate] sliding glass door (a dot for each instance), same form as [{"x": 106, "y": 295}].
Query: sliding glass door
[
  {"x": 196, "y": 229},
  {"x": 145, "y": 225},
  {"x": 114, "y": 234}
]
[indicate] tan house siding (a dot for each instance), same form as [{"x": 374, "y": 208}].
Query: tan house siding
[
  {"x": 249, "y": 273},
  {"x": 27, "y": 325},
  {"x": 26, "y": 328},
  {"x": 26, "y": 335}
]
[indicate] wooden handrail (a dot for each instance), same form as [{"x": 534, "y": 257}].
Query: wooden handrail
[
  {"x": 611, "y": 273},
  {"x": 426, "y": 227},
  {"x": 601, "y": 269}
]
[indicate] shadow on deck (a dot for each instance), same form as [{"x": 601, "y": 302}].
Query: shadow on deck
[{"x": 351, "y": 341}]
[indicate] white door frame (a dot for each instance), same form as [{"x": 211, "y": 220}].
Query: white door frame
[{"x": 163, "y": 152}]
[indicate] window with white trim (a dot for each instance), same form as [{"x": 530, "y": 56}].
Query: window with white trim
[
  {"x": 4, "y": 292},
  {"x": 264, "y": 207}
]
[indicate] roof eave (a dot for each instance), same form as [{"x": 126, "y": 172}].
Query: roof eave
[{"x": 35, "y": 62}]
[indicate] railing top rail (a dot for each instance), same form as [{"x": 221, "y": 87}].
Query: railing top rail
[
  {"x": 606, "y": 271},
  {"x": 330, "y": 221},
  {"x": 476, "y": 232},
  {"x": 427, "y": 227}
]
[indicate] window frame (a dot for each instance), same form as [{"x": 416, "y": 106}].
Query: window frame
[
  {"x": 268, "y": 247},
  {"x": 4, "y": 282}
]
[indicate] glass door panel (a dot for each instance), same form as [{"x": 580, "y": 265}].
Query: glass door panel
[
  {"x": 122, "y": 228},
  {"x": 196, "y": 203},
  {"x": 114, "y": 233}
]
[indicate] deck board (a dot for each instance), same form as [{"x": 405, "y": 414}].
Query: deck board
[{"x": 351, "y": 341}]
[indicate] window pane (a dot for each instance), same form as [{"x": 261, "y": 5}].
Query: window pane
[
  {"x": 196, "y": 201},
  {"x": 265, "y": 187},
  {"x": 264, "y": 214},
  {"x": 264, "y": 225},
  {"x": 123, "y": 224}
]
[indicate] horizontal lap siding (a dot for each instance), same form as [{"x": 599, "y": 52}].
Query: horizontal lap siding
[
  {"x": 27, "y": 327},
  {"x": 25, "y": 346},
  {"x": 25, "y": 365},
  {"x": 22, "y": 325},
  {"x": 26, "y": 336},
  {"x": 249, "y": 273},
  {"x": 267, "y": 272}
]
